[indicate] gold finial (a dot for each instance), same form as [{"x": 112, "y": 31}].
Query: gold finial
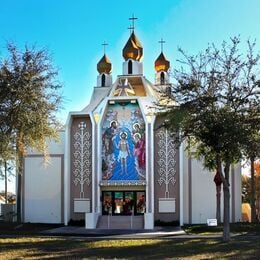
[
  {"x": 161, "y": 42},
  {"x": 104, "y": 65},
  {"x": 161, "y": 63},
  {"x": 133, "y": 18}
]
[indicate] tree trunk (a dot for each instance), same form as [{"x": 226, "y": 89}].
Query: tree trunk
[
  {"x": 226, "y": 192},
  {"x": 19, "y": 173},
  {"x": 6, "y": 195},
  {"x": 218, "y": 206},
  {"x": 252, "y": 195},
  {"x": 218, "y": 181}
]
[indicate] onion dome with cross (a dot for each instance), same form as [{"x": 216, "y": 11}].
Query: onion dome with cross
[
  {"x": 104, "y": 65},
  {"x": 161, "y": 63},
  {"x": 133, "y": 48}
]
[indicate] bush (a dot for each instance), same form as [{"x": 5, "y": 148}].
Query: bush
[
  {"x": 78, "y": 223},
  {"x": 174, "y": 223}
]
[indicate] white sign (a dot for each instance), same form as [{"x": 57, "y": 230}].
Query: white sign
[
  {"x": 81, "y": 205},
  {"x": 212, "y": 222},
  {"x": 166, "y": 205}
]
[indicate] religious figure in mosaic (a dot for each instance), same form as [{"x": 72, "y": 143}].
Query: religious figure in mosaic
[
  {"x": 139, "y": 153},
  {"x": 124, "y": 152},
  {"x": 108, "y": 149},
  {"x": 108, "y": 139},
  {"x": 123, "y": 143}
]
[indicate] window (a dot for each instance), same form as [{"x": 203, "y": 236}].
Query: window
[
  {"x": 162, "y": 78},
  {"x": 130, "y": 67},
  {"x": 103, "y": 80}
]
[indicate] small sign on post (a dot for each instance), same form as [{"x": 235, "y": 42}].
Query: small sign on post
[{"x": 212, "y": 222}]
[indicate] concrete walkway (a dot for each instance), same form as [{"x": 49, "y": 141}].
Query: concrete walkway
[
  {"x": 115, "y": 233},
  {"x": 157, "y": 233}
]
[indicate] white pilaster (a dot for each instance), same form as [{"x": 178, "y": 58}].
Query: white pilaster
[
  {"x": 152, "y": 163},
  {"x": 181, "y": 151},
  {"x": 67, "y": 173},
  {"x": 147, "y": 168},
  {"x": 93, "y": 161},
  {"x": 99, "y": 164}
]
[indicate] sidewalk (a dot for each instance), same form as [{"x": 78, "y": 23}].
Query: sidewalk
[
  {"x": 158, "y": 232},
  {"x": 133, "y": 233}
]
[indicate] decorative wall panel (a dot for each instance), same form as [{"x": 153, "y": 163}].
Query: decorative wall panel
[
  {"x": 82, "y": 157},
  {"x": 166, "y": 163}
]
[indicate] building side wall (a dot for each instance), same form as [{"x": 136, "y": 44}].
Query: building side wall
[
  {"x": 203, "y": 194},
  {"x": 186, "y": 190},
  {"x": 236, "y": 191},
  {"x": 43, "y": 189},
  {"x": 54, "y": 147},
  {"x": 200, "y": 193}
]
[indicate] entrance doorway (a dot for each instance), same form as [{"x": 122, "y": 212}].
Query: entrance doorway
[{"x": 123, "y": 202}]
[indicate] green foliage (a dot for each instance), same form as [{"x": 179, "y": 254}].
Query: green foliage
[
  {"x": 239, "y": 227},
  {"x": 173, "y": 223},
  {"x": 9, "y": 169},
  {"x": 29, "y": 99},
  {"x": 246, "y": 189},
  {"x": 218, "y": 104}
]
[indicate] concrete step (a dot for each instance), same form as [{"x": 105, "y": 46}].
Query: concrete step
[{"x": 121, "y": 222}]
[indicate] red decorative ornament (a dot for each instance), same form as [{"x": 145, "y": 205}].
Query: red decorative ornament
[{"x": 218, "y": 179}]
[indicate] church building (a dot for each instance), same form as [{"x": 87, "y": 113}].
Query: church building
[{"x": 115, "y": 166}]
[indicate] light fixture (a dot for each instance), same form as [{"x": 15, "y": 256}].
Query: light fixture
[
  {"x": 149, "y": 117},
  {"x": 96, "y": 117}
]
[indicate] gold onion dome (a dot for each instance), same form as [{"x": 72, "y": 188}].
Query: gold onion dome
[
  {"x": 104, "y": 65},
  {"x": 133, "y": 48},
  {"x": 161, "y": 63}
]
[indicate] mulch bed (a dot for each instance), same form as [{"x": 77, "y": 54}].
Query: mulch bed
[{"x": 24, "y": 228}]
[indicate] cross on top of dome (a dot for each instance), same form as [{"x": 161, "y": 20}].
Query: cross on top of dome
[
  {"x": 161, "y": 42},
  {"x": 133, "y": 18},
  {"x": 104, "y": 44}
]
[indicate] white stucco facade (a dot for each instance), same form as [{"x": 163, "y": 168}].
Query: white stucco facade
[
  {"x": 82, "y": 171},
  {"x": 43, "y": 185}
]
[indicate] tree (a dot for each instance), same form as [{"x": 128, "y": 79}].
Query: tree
[
  {"x": 6, "y": 171},
  {"x": 29, "y": 100},
  {"x": 257, "y": 167},
  {"x": 252, "y": 152},
  {"x": 248, "y": 190},
  {"x": 257, "y": 182},
  {"x": 213, "y": 100}
]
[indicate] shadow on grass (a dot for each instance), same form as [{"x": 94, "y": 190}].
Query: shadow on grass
[
  {"x": 143, "y": 249},
  {"x": 240, "y": 227}
]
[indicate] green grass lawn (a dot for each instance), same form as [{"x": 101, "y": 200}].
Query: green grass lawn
[
  {"x": 45, "y": 247},
  {"x": 23, "y": 241},
  {"x": 251, "y": 228}
]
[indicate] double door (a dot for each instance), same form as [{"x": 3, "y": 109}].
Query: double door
[{"x": 123, "y": 202}]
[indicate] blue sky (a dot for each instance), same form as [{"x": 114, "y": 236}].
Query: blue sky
[{"x": 73, "y": 32}]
